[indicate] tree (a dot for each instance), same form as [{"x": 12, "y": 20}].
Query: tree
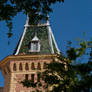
[
  {"x": 64, "y": 76},
  {"x": 60, "y": 76},
  {"x": 35, "y": 9}
]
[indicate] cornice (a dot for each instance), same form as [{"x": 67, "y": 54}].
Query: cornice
[{"x": 25, "y": 57}]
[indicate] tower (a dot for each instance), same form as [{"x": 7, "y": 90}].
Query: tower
[{"x": 35, "y": 48}]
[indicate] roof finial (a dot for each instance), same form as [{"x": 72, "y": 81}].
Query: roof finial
[{"x": 35, "y": 37}]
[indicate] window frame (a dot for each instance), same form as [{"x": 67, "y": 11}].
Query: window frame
[{"x": 35, "y": 46}]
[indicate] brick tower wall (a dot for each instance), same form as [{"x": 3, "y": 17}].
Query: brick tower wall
[{"x": 15, "y": 71}]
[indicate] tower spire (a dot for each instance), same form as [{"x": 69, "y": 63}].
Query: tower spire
[
  {"x": 42, "y": 32},
  {"x": 36, "y": 47}
]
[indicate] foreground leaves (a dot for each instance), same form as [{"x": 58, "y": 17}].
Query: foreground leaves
[{"x": 36, "y": 10}]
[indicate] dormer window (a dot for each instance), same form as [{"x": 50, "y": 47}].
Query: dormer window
[{"x": 35, "y": 45}]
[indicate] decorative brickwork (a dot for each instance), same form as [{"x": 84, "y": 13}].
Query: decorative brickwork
[{"x": 17, "y": 68}]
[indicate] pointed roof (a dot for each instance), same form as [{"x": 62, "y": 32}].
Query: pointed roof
[
  {"x": 43, "y": 34},
  {"x": 35, "y": 38}
]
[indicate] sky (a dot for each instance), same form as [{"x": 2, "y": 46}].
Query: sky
[{"x": 69, "y": 20}]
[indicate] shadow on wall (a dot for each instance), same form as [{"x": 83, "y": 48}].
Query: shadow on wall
[{"x": 1, "y": 89}]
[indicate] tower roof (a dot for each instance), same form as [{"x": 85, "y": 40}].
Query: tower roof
[{"x": 43, "y": 34}]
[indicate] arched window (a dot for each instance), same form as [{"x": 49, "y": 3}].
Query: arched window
[
  {"x": 26, "y": 66},
  {"x": 39, "y": 66},
  {"x": 20, "y": 67},
  {"x": 14, "y": 66},
  {"x": 32, "y": 66}
]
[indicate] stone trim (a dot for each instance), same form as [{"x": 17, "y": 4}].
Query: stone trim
[{"x": 25, "y": 57}]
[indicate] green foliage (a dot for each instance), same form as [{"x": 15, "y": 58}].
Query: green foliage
[
  {"x": 9, "y": 8},
  {"x": 74, "y": 53},
  {"x": 9, "y": 25},
  {"x": 59, "y": 77},
  {"x": 67, "y": 77},
  {"x": 85, "y": 73},
  {"x": 36, "y": 10},
  {"x": 28, "y": 83},
  {"x": 82, "y": 49}
]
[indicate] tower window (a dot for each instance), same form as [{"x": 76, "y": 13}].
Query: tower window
[
  {"x": 35, "y": 44},
  {"x": 32, "y": 66},
  {"x": 26, "y": 66},
  {"x": 39, "y": 66}
]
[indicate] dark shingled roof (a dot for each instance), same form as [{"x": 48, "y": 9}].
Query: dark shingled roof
[{"x": 43, "y": 35}]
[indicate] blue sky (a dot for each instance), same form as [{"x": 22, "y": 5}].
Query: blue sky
[{"x": 68, "y": 22}]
